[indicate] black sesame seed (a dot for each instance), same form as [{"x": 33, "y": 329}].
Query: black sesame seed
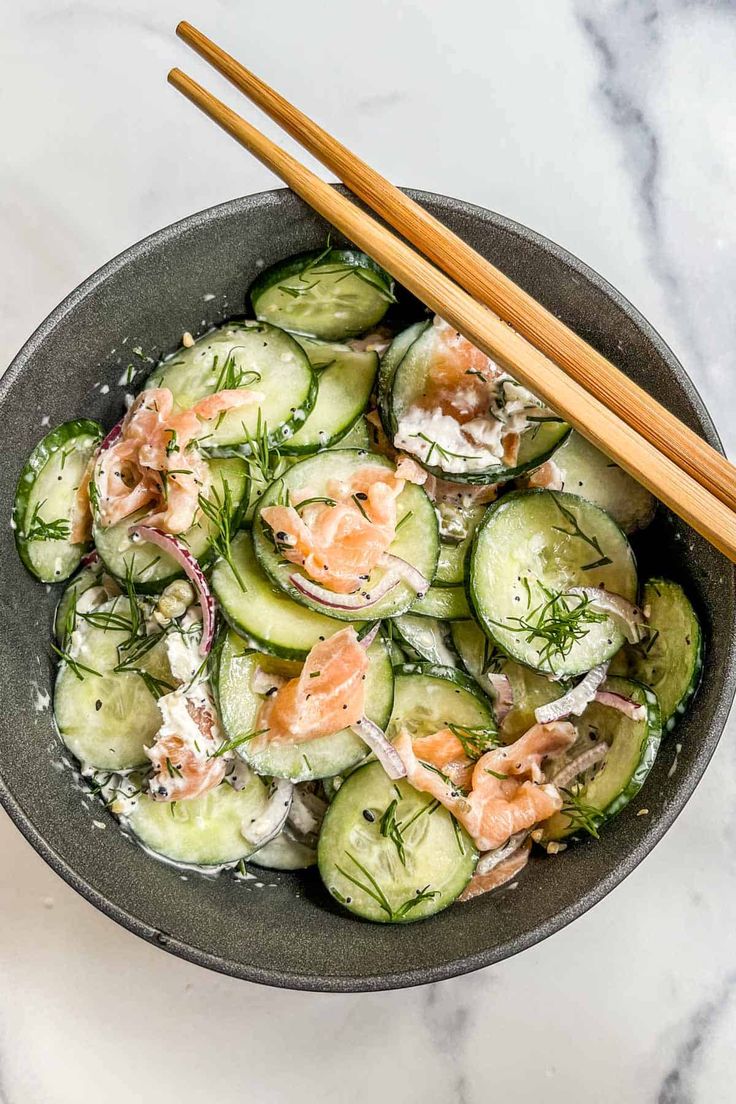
[{"x": 369, "y": 816}]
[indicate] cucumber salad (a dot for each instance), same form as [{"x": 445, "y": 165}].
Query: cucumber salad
[{"x": 341, "y": 593}]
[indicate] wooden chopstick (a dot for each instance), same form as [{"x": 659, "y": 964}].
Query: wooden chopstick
[
  {"x": 678, "y": 490},
  {"x": 483, "y": 281}
]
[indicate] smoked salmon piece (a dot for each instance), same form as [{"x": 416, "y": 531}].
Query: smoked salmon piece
[
  {"x": 339, "y": 545},
  {"x": 155, "y": 464},
  {"x": 508, "y": 793},
  {"x": 183, "y": 762},
  {"x": 327, "y": 696}
]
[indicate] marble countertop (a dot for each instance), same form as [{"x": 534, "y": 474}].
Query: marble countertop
[{"x": 608, "y": 125}]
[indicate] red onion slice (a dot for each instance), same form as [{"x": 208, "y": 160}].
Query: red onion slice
[
  {"x": 407, "y": 573},
  {"x": 330, "y": 600},
  {"x": 370, "y": 636},
  {"x": 181, "y": 554},
  {"x": 491, "y": 859},
  {"x": 384, "y": 751},
  {"x": 503, "y": 694},
  {"x": 627, "y": 706},
  {"x": 580, "y": 763},
  {"x": 575, "y": 700},
  {"x": 108, "y": 441},
  {"x": 90, "y": 560},
  {"x": 629, "y": 615}
]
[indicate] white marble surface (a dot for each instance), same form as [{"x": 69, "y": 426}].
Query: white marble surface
[{"x": 609, "y": 126}]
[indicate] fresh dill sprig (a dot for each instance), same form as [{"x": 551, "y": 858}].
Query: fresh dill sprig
[
  {"x": 475, "y": 741},
  {"x": 400, "y": 522},
  {"x": 422, "y": 895},
  {"x": 373, "y": 889},
  {"x": 230, "y": 745},
  {"x": 231, "y": 376},
  {"x": 157, "y": 687},
  {"x": 221, "y": 513},
  {"x": 576, "y": 531},
  {"x": 78, "y": 669},
  {"x": 390, "y": 830},
  {"x": 580, "y": 814},
  {"x": 40, "y": 530},
  {"x": 556, "y": 623},
  {"x": 445, "y": 454}
]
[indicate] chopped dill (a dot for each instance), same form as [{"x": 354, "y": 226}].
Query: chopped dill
[
  {"x": 40, "y": 530},
  {"x": 576, "y": 531}
]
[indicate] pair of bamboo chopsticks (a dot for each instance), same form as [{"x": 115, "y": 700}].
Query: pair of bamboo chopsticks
[{"x": 619, "y": 417}]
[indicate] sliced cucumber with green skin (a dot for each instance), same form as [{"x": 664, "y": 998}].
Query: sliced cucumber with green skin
[
  {"x": 150, "y": 568},
  {"x": 670, "y": 660},
  {"x": 529, "y": 689},
  {"x": 84, "y": 580},
  {"x": 346, "y": 380},
  {"x": 108, "y": 717},
  {"x": 452, "y": 564},
  {"x": 45, "y": 496},
  {"x": 357, "y": 437},
  {"x": 330, "y": 294},
  {"x": 285, "y": 852},
  {"x": 526, "y": 548},
  {"x": 608, "y": 786},
  {"x": 429, "y": 697},
  {"x": 416, "y": 539},
  {"x": 251, "y": 355},
  {"x": 448, "y": 603},
  {"x": 263, "y": 613},
  {"x": 389, "y": 363},
  {"x": 427, "y": 637},
  {"x": 410, "y": 382},
  {"x": 201, "y": 831},
  {"x": 362, "y": 868},
  {"x": 588, "y": 472},
  {"x": 318, "y": 758}
]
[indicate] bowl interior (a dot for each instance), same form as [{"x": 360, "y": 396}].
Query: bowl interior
[{"x": 281, "y": 929}]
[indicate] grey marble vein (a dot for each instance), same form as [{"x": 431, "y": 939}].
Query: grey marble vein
[{"x": 680, "y": 1084}]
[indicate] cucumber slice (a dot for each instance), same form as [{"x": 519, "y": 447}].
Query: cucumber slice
[
  {"x": 244, "y": 354},
  {"x": 389, "y": 363},
  {"x": 530, "y": 690},
  {"x": 362, "y": 868},
  {"x": 357, "y": 437},
  {"x": 428, "y": 698},
  {"x": 527, "y": 549},
  {"x": 330, "y": 294},
  {"x": 44, "y": 500},
  {"x": 346, "y": 380},
  {"x": 319, "y": 758},
  {"x": 416, "y": 540},
  {"x": 427, "y": 637},
  {"x": 106, "y": 718},
  {"x": 285, "y": 852},
  {"x": 606, "y": 788},
  {"x": 452, "y": 564},
  {"x": 589, "y": 473},
  {"x": 448, "y": 603},
  {"x": 670, "y": 660},
  {"x": 149, "y": 567},
  {"x": 202, "y": 831},
  {"x": 263, "y": 613},
  {"x": 410, "y": 381}
]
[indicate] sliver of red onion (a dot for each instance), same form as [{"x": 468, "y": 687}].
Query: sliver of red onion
[
  {"x": 617, "y": 606},
  {"x": 384, "y": 751},
  {"x": 181, "y": 554},
  {"x": 575, "y": 700}
]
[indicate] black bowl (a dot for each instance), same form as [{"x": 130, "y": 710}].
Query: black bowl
[{"x": 283, "y": 929}]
